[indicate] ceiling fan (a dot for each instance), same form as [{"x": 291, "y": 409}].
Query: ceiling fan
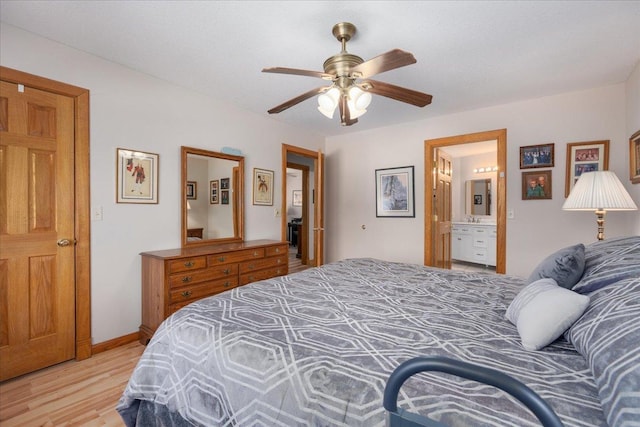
[{"x": 351, "y": 88}]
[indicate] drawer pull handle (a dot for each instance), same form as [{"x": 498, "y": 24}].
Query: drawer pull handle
[
  {"x": 252, "y": 266},
  {"x": 255, "y": 253},
  {"x": 277, "y": 250},
  {"x": 186, "y": 279},
  {"x": 186, "y": 294},
  {"x": 226, "y": 284},
  {"x": 279, "y": 260},
  {"x": 226, "y": 271},
  {"x": 221, "y": 259},
  {"x": 189, "y": 264}
]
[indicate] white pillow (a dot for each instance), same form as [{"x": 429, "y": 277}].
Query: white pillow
[{"x": 542, "y": 311}]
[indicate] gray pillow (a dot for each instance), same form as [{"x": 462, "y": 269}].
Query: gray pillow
[{"x": 564, "y": 266}]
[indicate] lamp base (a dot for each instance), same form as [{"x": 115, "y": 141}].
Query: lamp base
[{"x": 600, "y": 221}]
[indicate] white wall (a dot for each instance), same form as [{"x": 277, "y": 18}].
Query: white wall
[
  {"x": 132, "y": 110},
  {"x": 632, "y": 89},
  {"x": 538, "y": 228}
]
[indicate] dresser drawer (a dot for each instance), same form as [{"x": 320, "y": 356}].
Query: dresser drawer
[
  {"x": 189, "y": 277},
  {"x": 202, "y": 290},
  {"x": 259, "y": 264},
  {"x": 277, "y": 250},
  {"x": 236, "y": 256},
  {"x": 263, "y": 274},
  {"x": 187, "y": 264}
]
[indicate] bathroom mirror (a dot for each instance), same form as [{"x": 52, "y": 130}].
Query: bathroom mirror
[
  {"x": 478, "y": 197},
  {"x": 212, "y": 197}
]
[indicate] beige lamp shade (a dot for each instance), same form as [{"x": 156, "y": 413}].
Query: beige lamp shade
[{"x": 599, "y": 191}]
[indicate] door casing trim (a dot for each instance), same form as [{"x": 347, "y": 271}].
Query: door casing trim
[{"x": 500, "y": 136}]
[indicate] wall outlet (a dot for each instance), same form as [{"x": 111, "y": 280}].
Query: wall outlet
[
  {"x": 510, "y": 214},
  {"x": 276, "y": 213}
]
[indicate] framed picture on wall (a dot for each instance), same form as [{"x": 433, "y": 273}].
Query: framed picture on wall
[
  {"x": 213, "y": 192},
  {"x": 395, "y": 192},
  {"x": 224, "y": 195},
  {"x": 536, "y": 185},
  {"x": 297, "y": 198},
  {"x": 585, "y": 157},
  {"x": 537, "y": 156},
  {"x": 137, "y": 176},
  {"x": 634, "y": 158},
  {"x": 192, "y": 190},
  {"x": 262, "y": 187}
]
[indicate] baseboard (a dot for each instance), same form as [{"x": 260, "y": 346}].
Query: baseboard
[{"x": 114, "y": 343}]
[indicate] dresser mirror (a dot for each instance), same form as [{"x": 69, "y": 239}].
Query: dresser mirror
[
  {"x": 212, "y": 197},
  {"x": 478, "y": 197}
]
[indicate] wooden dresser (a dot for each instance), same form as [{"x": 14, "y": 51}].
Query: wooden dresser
[{"x": 174, "y": 278}]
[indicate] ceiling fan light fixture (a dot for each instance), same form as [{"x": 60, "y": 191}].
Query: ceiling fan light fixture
[
  {"x": 328, "y": 102},
  {"x": 359, "y": 98}
]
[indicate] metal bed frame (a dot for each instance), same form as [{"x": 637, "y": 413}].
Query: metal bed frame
[{"x": 399, "y": 417}]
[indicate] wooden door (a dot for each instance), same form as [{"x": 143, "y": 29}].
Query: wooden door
[
  {"x": 442, "y": 211},
  {"x": 37, "y": 235},
  {"x": 319, "y": 210}
]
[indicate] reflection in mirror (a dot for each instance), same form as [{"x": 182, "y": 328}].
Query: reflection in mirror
[
  {"x": 212, "y": 197},
  {"x": 478, "y": 197}
]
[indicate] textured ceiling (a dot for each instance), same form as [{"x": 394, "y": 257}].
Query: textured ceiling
[{"x": 470, "y": 54}]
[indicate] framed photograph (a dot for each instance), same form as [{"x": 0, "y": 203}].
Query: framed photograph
[
  {"x": 585, "y": 157},
  {"x": 634, "y": 158},
  {"x": 297, "y": 197},
  {"x": 395, "y": 192},
  {"x": 537, "y": 156},
  {"x": 224, "y": 195},
  {"x": 536, "y": 185},
  {"x": 224, "y": 184},
  {"x": 262, "y": 187},
  {"x": 192, "y": 190},
  {"x": 477, "y": 199},
  {"x": 137, "y": 176},
  {"x": 213, "y": 192}
]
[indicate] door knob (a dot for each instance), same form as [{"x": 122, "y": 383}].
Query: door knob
[{"x": 66, "y": 242}]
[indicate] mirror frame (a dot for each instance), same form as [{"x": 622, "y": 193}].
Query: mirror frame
[
  {"x": 185, "y": 151},
  {"x": 469, "y": 199}
]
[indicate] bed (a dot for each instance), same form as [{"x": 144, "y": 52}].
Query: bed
[{"x": 316, "y": 348}]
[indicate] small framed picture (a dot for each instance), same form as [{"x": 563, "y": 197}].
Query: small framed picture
[
  {"x": 137, "y": 176},
  {"x": 477, "y": 199},
  {"x": 537, "y": 156},
  {"x": 262, "y": 187},
  {"x": 213, "y": 192},
  {"x": 224, "y": 195},
  {"x": 297, "y": 198},
  {"x": 585, "y": 157},
  {"x": 395, "y": 192},
  {"x": 634, "y": 158},
  {"x": 224, "y": 184},
  {"x": 536, "y": 185},
  {"x": 192, "y": 190}
]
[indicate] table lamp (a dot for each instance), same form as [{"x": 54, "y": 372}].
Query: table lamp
[{"x": 599, "y": 191}]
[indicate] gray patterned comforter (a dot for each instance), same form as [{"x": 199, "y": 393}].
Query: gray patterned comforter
[{"x": 315, "y": 348}]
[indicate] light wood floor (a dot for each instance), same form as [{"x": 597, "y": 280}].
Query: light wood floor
[{"x": 72, "y": 393}]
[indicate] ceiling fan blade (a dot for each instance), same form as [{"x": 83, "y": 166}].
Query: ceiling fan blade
[
  {"x": 398, "y": 93},
  {"x": 345, "y": 114},
  {"x": 298, "y": 99},
  {"x": 393, "y": 59},
  {"x": 297, "y": 72}
]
